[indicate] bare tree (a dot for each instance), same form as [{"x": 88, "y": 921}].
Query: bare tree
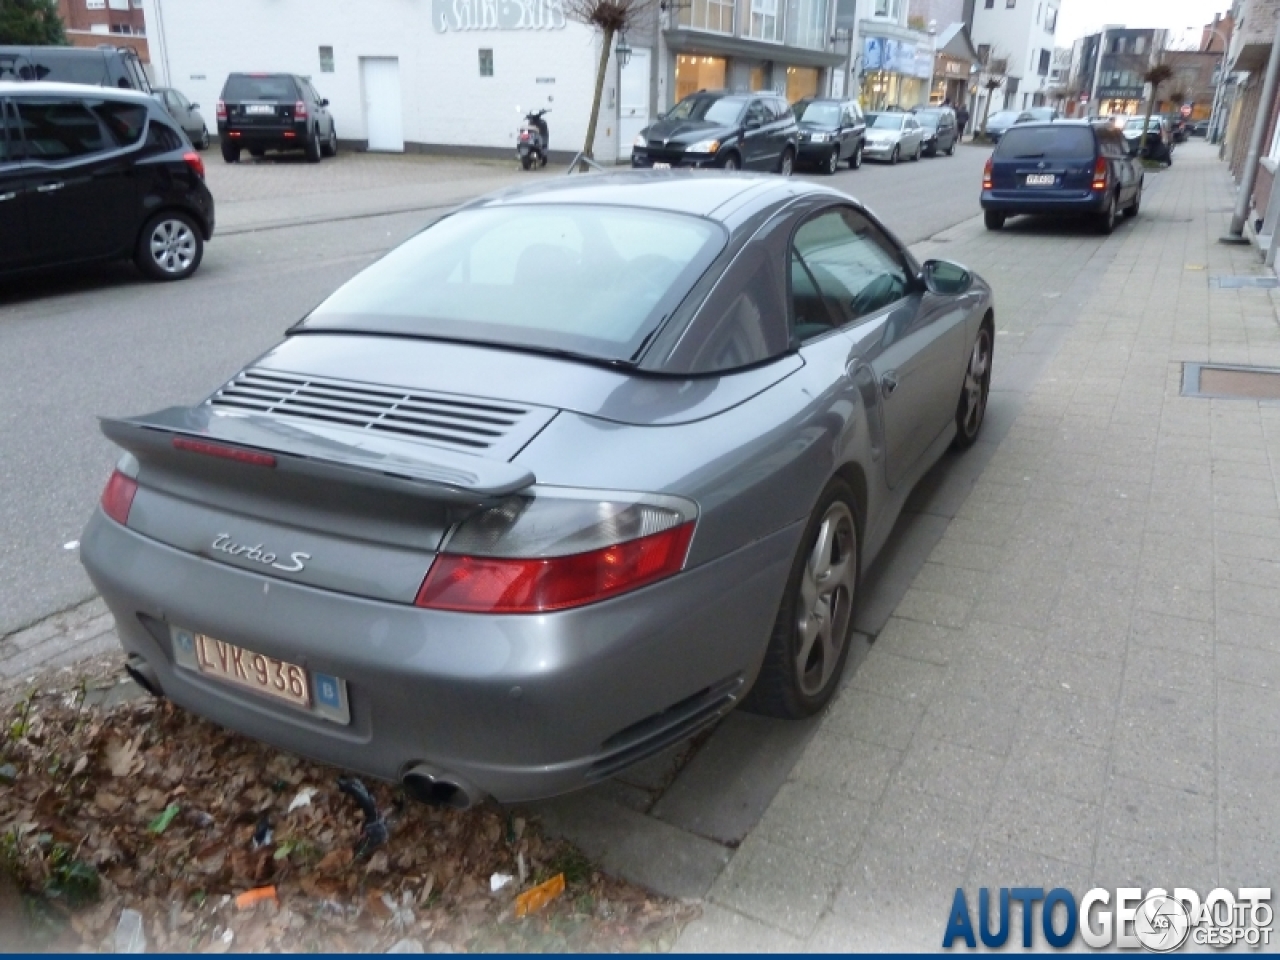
[
  {"x": 994, "y": 67},
  {"x": 610, "y": 17}
]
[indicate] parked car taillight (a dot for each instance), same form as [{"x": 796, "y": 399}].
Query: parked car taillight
[
  {"x": 558, "y": 550},
  {"x": 1100, "y": 174},
  {"x": 117, "y": 497},
  {"x": 192, "y": 160},
  {"x": 221, "y": 110},
  {"x": 986, "y": 174},
  {"x": 300, "y": 110}
]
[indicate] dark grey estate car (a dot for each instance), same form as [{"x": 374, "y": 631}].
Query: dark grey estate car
[
  {"x": 714, "y": 128},
  {"x": 437, "y": 537}
]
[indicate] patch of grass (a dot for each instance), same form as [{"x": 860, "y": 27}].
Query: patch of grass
[{"x": 576, "y": 868}]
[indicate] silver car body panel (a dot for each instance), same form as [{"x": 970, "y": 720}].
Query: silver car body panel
[{"x": 520, "y": 706}]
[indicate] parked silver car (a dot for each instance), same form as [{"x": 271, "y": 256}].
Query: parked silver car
[
  {"x": 553, "y": 485},
  {"x": 893, "y": 137}
]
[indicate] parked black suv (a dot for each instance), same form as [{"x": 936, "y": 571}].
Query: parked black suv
[
  {"x": 274, "y": 111},
  {"x": 830, "y": 131},
  {"x": 103, "y": 66},
  {"x": 713, "y": 128},
  {"x": 89, "y": 174}
]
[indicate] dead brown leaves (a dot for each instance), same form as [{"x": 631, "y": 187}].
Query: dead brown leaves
[{"x": 146, "y": 807}]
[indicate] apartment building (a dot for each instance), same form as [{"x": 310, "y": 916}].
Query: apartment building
[
  {"x": 1016, "y": 40},
  {"x": 90, "y": 23}
]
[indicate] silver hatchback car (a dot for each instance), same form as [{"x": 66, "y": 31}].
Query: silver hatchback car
[{"x": 553, "y": 485}]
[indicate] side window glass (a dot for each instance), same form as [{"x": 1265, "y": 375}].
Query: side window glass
[
  {"x": 59, "y": 129},
  {"x": 7, "y": 135},
  {"x": 855, "y": 267},
  {"x": 125, "y": 121},
  {"x": 161, "y": 138},
  {"x": 756, "y": 112}
]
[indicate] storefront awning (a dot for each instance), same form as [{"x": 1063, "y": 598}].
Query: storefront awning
[{"x": 693, "y": 41}]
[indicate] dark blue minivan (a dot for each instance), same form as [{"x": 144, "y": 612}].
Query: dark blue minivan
[{"x": 1064, "y": 168}]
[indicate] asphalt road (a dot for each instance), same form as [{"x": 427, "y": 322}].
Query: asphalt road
[{"x": 100, "y": 341}]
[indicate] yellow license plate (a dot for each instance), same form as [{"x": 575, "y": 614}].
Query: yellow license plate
[{"x": 254, "y": 671}]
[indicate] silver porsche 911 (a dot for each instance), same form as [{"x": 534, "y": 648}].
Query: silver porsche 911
[{"x": 553, "y": 485}]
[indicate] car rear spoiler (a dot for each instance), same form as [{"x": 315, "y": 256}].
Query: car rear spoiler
[{"x": 325, "y": 452}]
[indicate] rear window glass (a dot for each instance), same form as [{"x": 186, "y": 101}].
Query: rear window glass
[
  {"x": 88, "y": 68},
  {"x": 240, "y": 87},
  {"x": 590, "y": 281},
  {"x": 1056, "y": 141},
  {"x": 125, "y": 120}
]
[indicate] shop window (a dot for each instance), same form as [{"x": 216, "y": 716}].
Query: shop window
[
  {"x": 698, "y": 73},
  {"x": 486, "y": 63},
  {"x": 801, "y": 82},
  {"x": 326, "y": 59}
]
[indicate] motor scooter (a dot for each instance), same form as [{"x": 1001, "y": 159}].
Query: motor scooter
[{"x": 533, "y": 139}]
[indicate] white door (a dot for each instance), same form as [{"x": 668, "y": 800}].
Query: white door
[
  {"x": 383, "y": 115},
  {"x": 633, "y": 101}
]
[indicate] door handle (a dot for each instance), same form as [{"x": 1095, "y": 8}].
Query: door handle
[
  {"x": 49, "y": 187},
  {"x": 7, "y": 196},
  {"x": 889, "y": 383}
]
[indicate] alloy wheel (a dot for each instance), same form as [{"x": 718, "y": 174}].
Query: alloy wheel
[
  {"x": 833, "y": 161},
  {"x": 173, "y": 246},
  {"x": 826, "y": 600},
  {"x": 731, "y": 162},
  {"x": 784, "y": 167},
  {"x": 976, "y": 378}
]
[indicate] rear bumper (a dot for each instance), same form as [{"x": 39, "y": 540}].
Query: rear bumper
[
  {"x": 1039, "y": 202},
  {"x": 292, "y": 137},
  {"x": 519, "y": 707}
]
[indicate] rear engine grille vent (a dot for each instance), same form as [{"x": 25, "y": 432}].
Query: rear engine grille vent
[{"x": 459, "y": 422}]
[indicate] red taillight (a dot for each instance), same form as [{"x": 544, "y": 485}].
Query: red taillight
[
  {"x": 986, "y": 174},
  {"x": 1100, "y": 174},
  {"x": 541, "y": 584},
  {"x": 250, "y": 457},
  {"x": 192, "y": 160},
  {"x": 221, "y": 110},
  {"x": 300, "y": 110},
  {"x": 117, "y": 497},
  {"x": 524, "y": 134}
]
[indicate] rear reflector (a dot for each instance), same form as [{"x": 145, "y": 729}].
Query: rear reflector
[
  {"x": 541, "y": 584},
  {"x": 194, "y": 161},
  {"x": 117, "y": 497},
  {"x": 251, "y": 457}
]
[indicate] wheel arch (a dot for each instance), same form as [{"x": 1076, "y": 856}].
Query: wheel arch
[{"x": 205, "y": 233}]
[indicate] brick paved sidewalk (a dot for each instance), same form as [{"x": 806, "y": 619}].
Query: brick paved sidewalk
[{"x": 1082, "y": 687}]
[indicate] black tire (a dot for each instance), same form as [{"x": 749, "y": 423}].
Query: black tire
[
  {"x": 170, "y": 247},
  {"x": 731, "y": 162},
  {"x": 894, "y": 157},
  {"x": 313, "y": 147},
  {"x": 1131, "y": 210},
  {"x": 856, "y": 160},
  {"x": 202, "y": 141},
  {"x": 1107, "y": 219},
  {"x": 330, "y": 146},
  {"x": 799, "y": 677},
  {"x": 993, "y": 219},
  {"x": 971, "y": 411},
  {"x": 919, "y": 153},
  {"x": 951, "y": 150},
  {"x": 526, "y": 162},
  {"x": 786, "y": 163},
  {"x": 230, "y": 152},
  {"x": 833, "y": 161}
]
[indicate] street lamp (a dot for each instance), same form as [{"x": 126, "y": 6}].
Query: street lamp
[{"x": 623, "y": 50}]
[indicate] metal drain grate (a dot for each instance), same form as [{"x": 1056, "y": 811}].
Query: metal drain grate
[
  {"x": 1232, "y": 383},
  {"x": 1238, "y": 283}
]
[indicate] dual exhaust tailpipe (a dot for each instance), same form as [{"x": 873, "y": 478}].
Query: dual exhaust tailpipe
[{"x": 422, "y": 782}]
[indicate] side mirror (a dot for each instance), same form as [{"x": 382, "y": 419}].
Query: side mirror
[
  {"x": 946, "y": 278},
  {"x": 324, "y": 103},
  {"x": 194, "y": 106}
]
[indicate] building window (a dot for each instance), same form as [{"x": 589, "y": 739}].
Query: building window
[
  {"x": 326, "y": 59},
  {"x": 1010, "y": 4},
  {"x": 1044, "y": 63},
  {"x": 95, "y": 4},
  {"x": 806, "y": 24},
  {"x": 984, "y": 52},
  {"x": 764, "y": 20},
  {"x": 486, "y": 63},
  {"x": 1051, "y": 19},
  {"x": 1140, "y": 45},
  {"x": 989, "y": 4},
  {"x": 889, "y": 9},
  {"x": 714, "y": 16}
]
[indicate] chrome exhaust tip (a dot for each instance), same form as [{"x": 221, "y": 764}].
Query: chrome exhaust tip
[{"x": 434, "y": 787}]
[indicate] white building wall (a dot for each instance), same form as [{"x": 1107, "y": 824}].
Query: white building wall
[
  {"x": 1017, "y": 33},
  {"x": 196, "y": 43}
]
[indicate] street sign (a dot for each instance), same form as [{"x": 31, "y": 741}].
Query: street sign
[
  {"x": 1186, "y": 110},
  {"x": 1084, "y": 97}
]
